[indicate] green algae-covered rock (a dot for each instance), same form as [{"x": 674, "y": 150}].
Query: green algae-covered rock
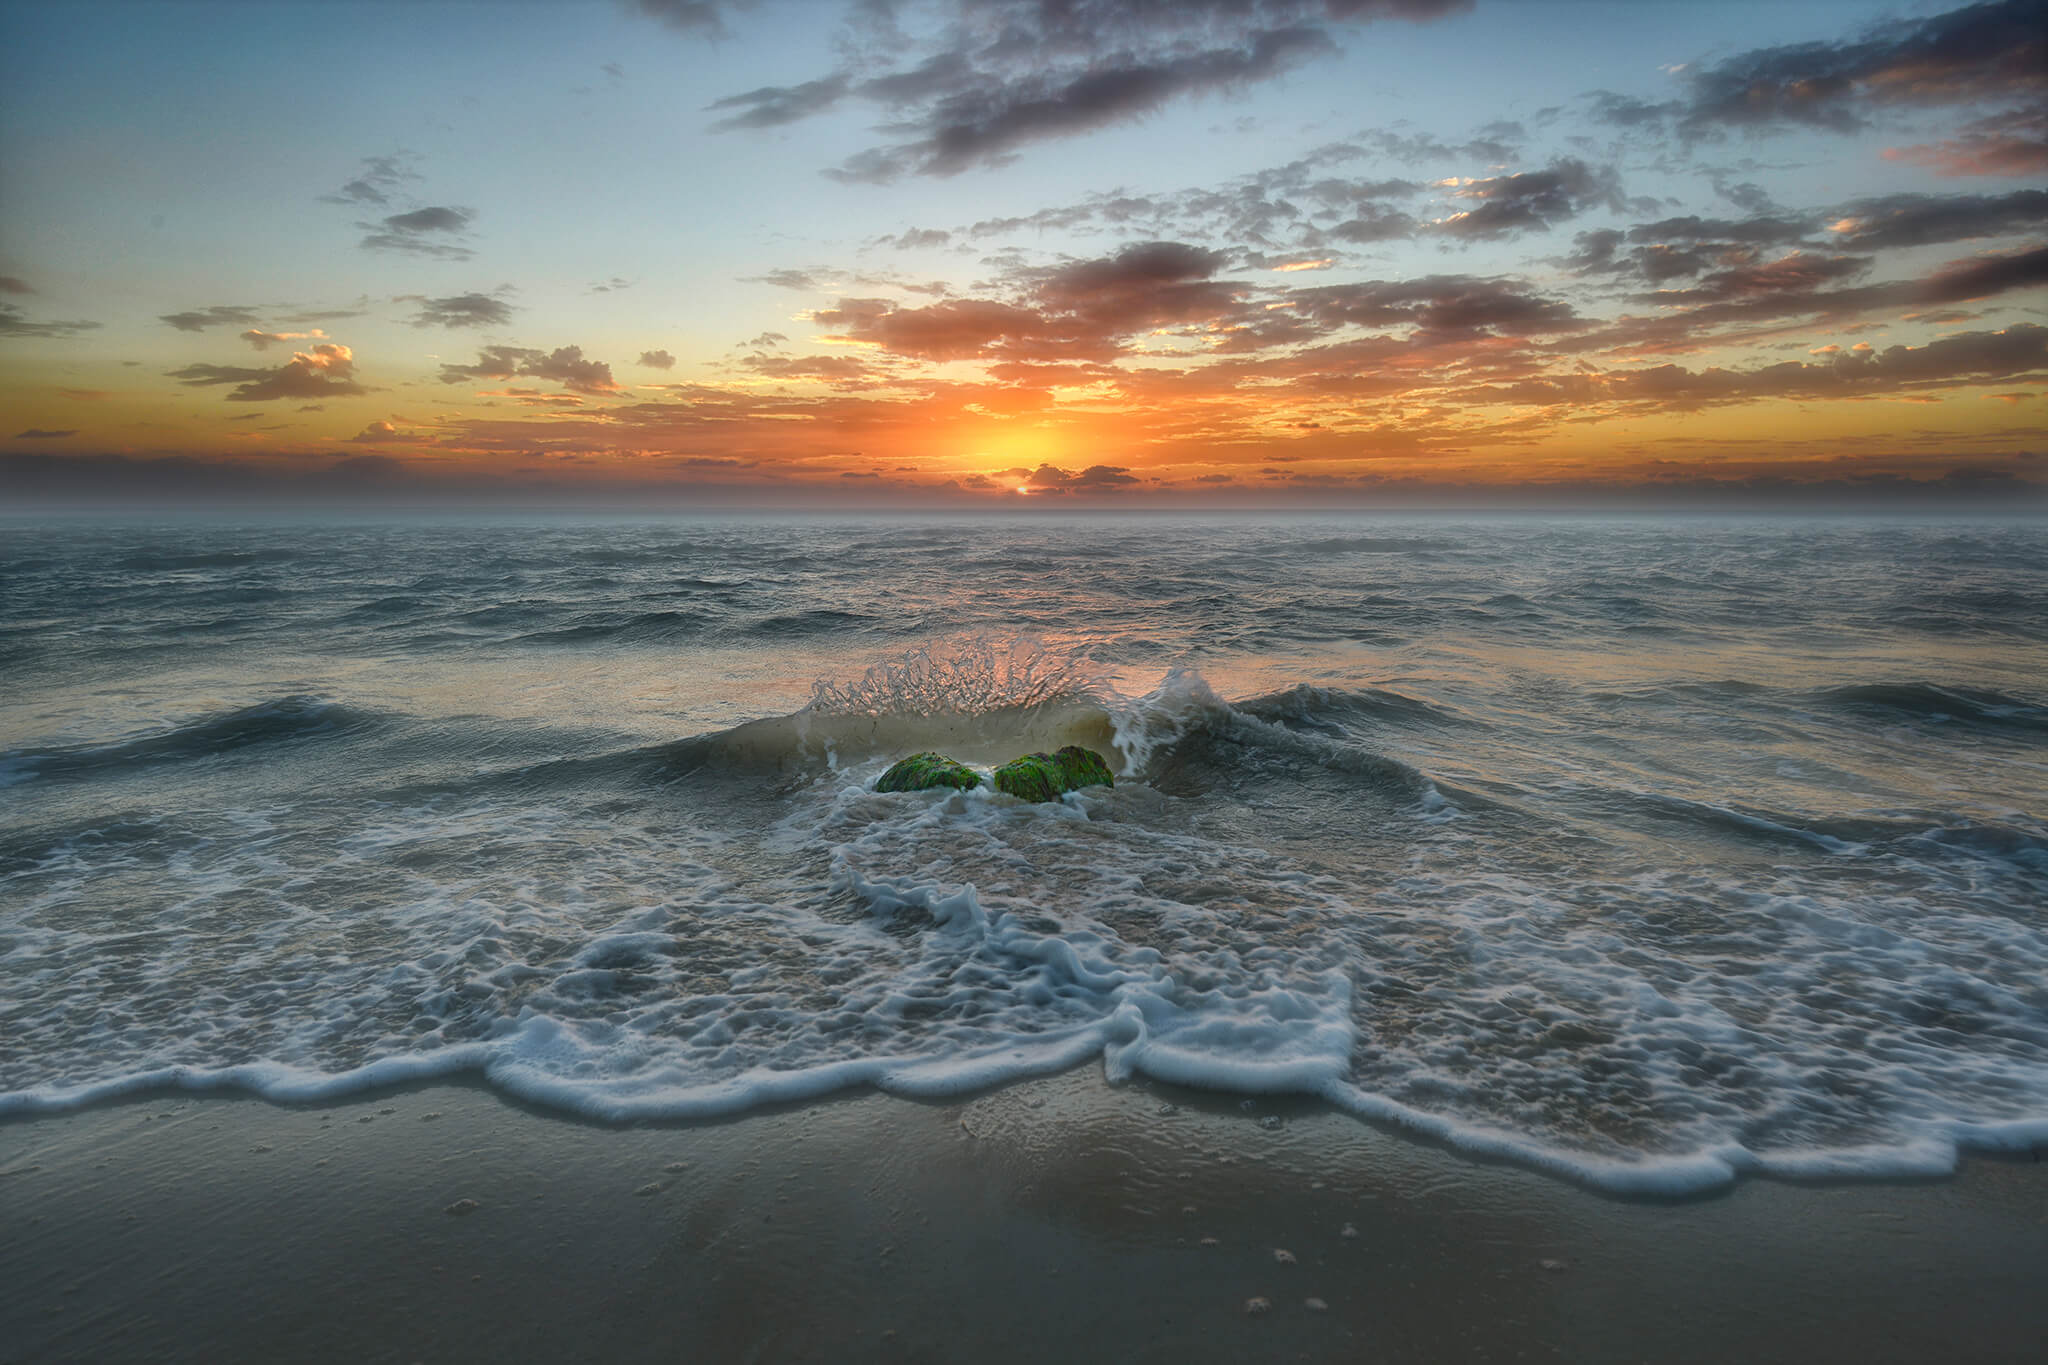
[
  {"x": 1047, "y": 777},
  {"x": 1034, "y": 777},
  {"x": 922, "y": 772},
  {"x": 1084, "y": 767}
]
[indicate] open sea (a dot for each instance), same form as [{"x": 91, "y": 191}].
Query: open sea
[{"x": 1650, "y": 852}]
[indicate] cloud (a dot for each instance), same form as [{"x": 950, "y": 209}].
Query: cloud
[
  {"x": 1983, "y": 276},
  {"x": 1902, "y": 220},
  {"x": 1967, "y": 358},
  {"x": 11, "y": 285},
  {"x": 1079, "y": 310},
  {"x": 917, "y": 239},
  {"x": 831, "y": 368},
  {"x": 983, "y": 126},
  {"x": 1980, "y": 52},
  {"x": 416, "y": 233},
  {"x": 657, "y": 360},
  {"x": 2012, "y": 143},
  {"x": 565, "y": 366},
  {"x": 198, "y": 320},
  {"x": 462, "y": 310},
  {"x": 801, "y": 280},
  {"x": 380, "y": 177},
  {"x": 327, "y": 371},
  {"x": 1627, "y": 111},
  {"x": 1437, "y": 304},
  {"x": 991, "y": 76},
  {"x": 955, "y": 330},
  {"x": 13, "y": 324},
  {"x": 263, "y": 341},
  {"x": 1096, "y": 478},
  {"x": 38, "y": 434},
  {"x": 1531, "y": 200},
  {"x": 1797, "y": 273},
  {"x": 774, "y": 105},
  {"x": 377, "y": 432},
  {"x": 699, "y": 17}
]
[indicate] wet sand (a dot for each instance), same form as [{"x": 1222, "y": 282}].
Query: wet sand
[{"x": 1056, "y": 1219}]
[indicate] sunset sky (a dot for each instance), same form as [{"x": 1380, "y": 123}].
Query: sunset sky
[{"x": 978, "y": 252}]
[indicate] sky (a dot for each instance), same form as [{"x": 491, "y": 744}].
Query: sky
[{"x": 1007, "y": 253}]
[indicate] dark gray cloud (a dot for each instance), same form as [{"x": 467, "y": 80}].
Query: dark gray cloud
[
  {"x": 1627, "y": 111},
  {"x": 1968, "y": 358},
  {"x": 2011, "y": 143},
  {"x": 1080, "y": 310},
  {"x": 376, "y": 433},
  {"x": 1985, "y": 276},
  {"x": 263, "y": 341},
  {"x": 420, "y": 232},
  {"x": 1900, "y": 220},
  {"x": 379, "y": 179},
  {"x": 1531, "y": 201},
  {"x": 1437, "y": 304},
  {"x": 801, "y": 280},
  {"x": 14, "y": 324},
  {"x": 221, "y": 315},
  {"x": 981, "y": 127},
  {"x": 703, "y": 18},
  {"x": 774, "y": 105},
  {"x": 1798, "y": 273},
  {"x": 326, "y": 371},
  {"x": 830, "y": 368},
  {"x": 461, "y": 310},
  {"x": 565, "y": 365},
  {"x": 1374, "y": 223},
  {"x": 10, "y": 285},
  {"x": 1980, "y": 52},
  {"x": 1677, "y": 248},
  {"x": 997, "y": 75},
  {"x": 917, "y": 239},
  {"x": 1096, "y": 478},
  {"x": 38, "y": 434},
  {"x": 657, "y": 360}
]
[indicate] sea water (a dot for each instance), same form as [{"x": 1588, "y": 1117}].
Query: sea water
[{"x": 1649, "y": 852}]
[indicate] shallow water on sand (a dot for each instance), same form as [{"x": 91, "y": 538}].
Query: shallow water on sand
[{"x": 1650, "y": 852}]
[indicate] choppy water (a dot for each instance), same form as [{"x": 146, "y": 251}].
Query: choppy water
[{"x": 1648, "y": 851}]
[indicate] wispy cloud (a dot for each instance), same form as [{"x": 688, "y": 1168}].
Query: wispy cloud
[
  {"x": 429, "y": 231},
  {"x": 460, "y": 310},
  {"x": 564, "y": 365},
  {"x": 993, "y": 76},
  {"x": 14, "y": 324}
]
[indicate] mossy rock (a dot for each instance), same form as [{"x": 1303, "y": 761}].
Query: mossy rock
[
  {"x": 1084, "y": 767},
  {"x": 1047, "y": 777},
  {"x": 1034, "y": 777},
  {"x": 922, "y": 772}
]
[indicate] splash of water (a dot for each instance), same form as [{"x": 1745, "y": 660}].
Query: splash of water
[{"x": 967, "y": 677}]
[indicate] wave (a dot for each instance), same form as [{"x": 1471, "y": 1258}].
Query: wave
[
  {"x": 164, "y": 562},
  {"x": 651, "y": 627},
  {"x": 280, "y": 720},
  {"x": 796, "y": 625},
  {"x": 1362, "y": 545},
  {"x": 1937, "y": 704},
  {"x": 1327, "y": 707}
]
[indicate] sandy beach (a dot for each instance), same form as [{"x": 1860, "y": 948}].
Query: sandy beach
[{"x": 1057, "y": 1218}]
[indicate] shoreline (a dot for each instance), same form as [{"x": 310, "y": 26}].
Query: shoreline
[{"x": 1052, "y": 1215}]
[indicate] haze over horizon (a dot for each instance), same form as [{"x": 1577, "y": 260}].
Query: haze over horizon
[{"x": 986, "y": 253}]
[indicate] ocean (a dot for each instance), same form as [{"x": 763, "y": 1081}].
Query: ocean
[{"x": 1648, "y": 852}]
